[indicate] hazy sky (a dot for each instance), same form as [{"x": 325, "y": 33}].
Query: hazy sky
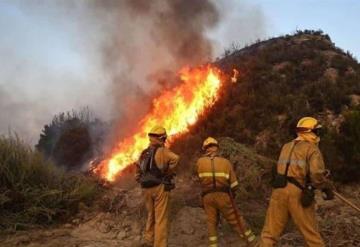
[
  {"x": 339, "y": 18},
  {"x": 49, "y": 55}
]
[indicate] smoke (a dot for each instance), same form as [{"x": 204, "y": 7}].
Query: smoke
[
  {"x": 112, "y": 55},
  {"x": 148, "y": 41},
  {"x": 242, "y": 23}
]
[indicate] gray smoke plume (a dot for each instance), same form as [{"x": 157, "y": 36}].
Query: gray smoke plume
[
  {"x": 111, "y": 55},
  {"x": 148, "y": 41}
]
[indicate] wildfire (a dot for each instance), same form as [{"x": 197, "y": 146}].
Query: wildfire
[
  {"x": 235, "y": 77},
  {"x": 175, "y": 109}
]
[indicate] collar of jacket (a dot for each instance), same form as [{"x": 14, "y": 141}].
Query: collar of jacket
[
  {"x": 309, "y": 137},
  {"x": 155, "y": 142},
  {"x": 211, "y": 154}
]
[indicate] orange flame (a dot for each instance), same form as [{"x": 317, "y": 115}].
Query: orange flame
[
  {"x": 235, "y": 77},
  {"x": 175, "y": 109}
]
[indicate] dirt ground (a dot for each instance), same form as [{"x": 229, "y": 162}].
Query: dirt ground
[{"x": 119, "y": 219}]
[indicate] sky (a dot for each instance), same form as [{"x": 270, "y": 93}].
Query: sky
[
  {"x": 338, "y": 18},
  {"x": 49, "y": 59}
]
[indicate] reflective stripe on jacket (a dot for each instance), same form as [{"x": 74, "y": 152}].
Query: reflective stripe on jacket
[
  {"x": 225, "y": 176},
  {"x": 306, "y": 155}
]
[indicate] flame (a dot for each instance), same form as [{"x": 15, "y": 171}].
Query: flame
[
  {"x": 235, "y": 76},
  {"x": 175, "y": 109}
]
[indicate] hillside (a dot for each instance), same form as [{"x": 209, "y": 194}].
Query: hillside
[
  {"x": 118, "y": 218},
  {"x": 282, "y": 80}
]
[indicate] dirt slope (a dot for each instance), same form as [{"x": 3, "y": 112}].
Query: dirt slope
[
  {"x": 118, "y": 219},
  {"x": 340, "y": 226}
]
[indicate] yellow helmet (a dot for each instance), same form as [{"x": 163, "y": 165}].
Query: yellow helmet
[
  {"x": 158, "y": 131},
  {"x": 307, "y": 124},
  {"x": 210, "y": 142}
]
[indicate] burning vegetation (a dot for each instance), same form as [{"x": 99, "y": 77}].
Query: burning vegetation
[
  {"x": 256, "y": 112},
  {"x": 175, "y": 109}
]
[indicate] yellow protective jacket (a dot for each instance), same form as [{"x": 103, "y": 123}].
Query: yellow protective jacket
[
  {"x": 224, "y": 174},
  {"x": 157, "y": 198},
  {"x": 165, "y": 160},
  {"x": 285, "y": 202},
  {"x": 306, "y": 157}
]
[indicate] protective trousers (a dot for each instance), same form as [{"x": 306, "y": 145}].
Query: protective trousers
[
  {"x": 220, "y": 202},
  {"x": 285, "y": 202},
  {"x": 157, "y": 205}
]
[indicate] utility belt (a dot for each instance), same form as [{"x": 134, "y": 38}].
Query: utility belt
[
  {"x": 168, "y": 183},
  {"x": 150, "y": 180},
  {"x": 213, "y": 190},
  {"x": 281, "y": 180},
  {"x": 308, "y": 191},
  {"x": 293, "y": 181}
]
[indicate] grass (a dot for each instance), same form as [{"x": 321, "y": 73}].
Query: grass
[
  {"x": 252, "y": 169},
  {"x": 33, "y": 191}
]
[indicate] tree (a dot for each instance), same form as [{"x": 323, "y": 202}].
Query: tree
[
  {"x": 349, "y": 146},
  {"x": 70, "y": 139}
]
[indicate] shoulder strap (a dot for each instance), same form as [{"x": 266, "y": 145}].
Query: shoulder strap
[
  {"x": 292, "y": 179},
  {"x": 289, "y": 158},
  {"x": 152, "y": 157},
  {"x": 144, "y": 160},
  {"x": 213, "y": 171},
  {"x": 307, "y": 176}
]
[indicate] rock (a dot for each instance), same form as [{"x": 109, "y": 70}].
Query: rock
[
  {"x": 306, "y": 63},
  {"x": 329, "y": 54},
  {"x": 262, "y": 139},
  {"x": 135, "y": 198},
  {"x": 76, "y": 221},
  {"x": 121, "y": 235},
  {"x": 281, "y": 66},
  {"x": 68, "y": 225},
  {"x": 136, "y": 238},
  {"x": 350, "y": 71},
  {"x": 189, "y": 227},
  {"x": 331, "y": 74},
  {"x": 104, "y": 227},
  {"x": 355, "y": 99},
  {"x": 22, "y": 240},
  {"x": 301, "y": 39},
  {"x": 61, "y": 232}
]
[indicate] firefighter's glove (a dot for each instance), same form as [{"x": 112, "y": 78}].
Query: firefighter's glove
[{"x": 327, "y": 194}]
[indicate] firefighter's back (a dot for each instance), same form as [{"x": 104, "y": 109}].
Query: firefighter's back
[
  {"x": 214, "y": 169},
  {"x": 305, "y": 158},
  {"x": 218, "y": 182}
]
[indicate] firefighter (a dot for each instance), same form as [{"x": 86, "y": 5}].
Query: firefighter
[
  {"x": 299, "y": 170},
  {"x": 154, "y": 172},
  {"x": 219, "y": 183}
]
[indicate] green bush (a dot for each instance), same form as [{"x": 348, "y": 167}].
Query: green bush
[
  {"x": 282, "y": 80},
  {"x": 73, "y": 147},
  {"x": 72, "y": 138},
  {"x": 348, "y": 143},
  {"x": 33, "y": 191}
]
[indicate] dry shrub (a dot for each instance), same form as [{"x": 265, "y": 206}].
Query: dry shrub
[{"x": 33, "y": 191}]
